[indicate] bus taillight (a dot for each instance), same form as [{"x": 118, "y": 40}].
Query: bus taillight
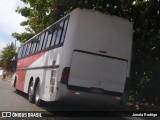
[{"x": 65, "y": 75}]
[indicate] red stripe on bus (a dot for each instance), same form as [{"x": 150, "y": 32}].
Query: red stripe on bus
[
  {"x": 25, "y": 63},
  {"x": 21, "y": 77}
]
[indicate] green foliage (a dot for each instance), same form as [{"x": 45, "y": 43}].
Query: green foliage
[
  {"x": 24, "y": 23},
  {"x": 22, "y": 37},
  {"x": 145, "y": 16},
  {"x": 6, "y": 55},
  {"x": 24, "y": 11}
]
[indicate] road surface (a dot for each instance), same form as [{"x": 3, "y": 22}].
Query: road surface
[{"x": 10, "y": 100}]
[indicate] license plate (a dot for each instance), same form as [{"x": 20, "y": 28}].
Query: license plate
[{"x": 98, "y": 91}]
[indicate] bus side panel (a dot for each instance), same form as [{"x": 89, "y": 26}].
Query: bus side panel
[
  {"x": 20, "y": 80},
  {"x": 31, "y": 73},
  {"x": 27, "y": 61},
  {"x": 49, "y": 87},
  {"x": 20, "y": 75},
  {"x": 20, "y": 64},
  {"x": 43, "y": 66},
  {"x": 22, "y": 68}
]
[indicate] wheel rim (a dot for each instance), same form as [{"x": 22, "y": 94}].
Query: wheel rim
[
  {"x": 37, "y": 93},
  {"x": 30, "y": 92}
]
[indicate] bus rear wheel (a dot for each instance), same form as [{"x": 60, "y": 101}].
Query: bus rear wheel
[
  {"x": 31, "y": 93},
  {"x": 38, "y": 101}
]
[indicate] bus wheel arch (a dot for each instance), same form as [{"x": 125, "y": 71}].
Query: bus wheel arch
[{"x": 31, "y": 91}]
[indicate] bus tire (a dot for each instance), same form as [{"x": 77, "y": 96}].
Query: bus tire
[
  {"x": 31, "y": 93},
  {"x": 38, "y": 101},
  {"x": 14, "y": 85},
  {"x": 15, "y": 82}
]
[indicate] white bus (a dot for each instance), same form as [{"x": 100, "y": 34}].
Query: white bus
[{"x": 83, "y": 57}]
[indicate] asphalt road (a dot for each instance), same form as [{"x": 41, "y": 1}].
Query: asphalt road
[{"x": 10, "y": 100}]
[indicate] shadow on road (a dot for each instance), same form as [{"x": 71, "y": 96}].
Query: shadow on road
[
  {"x": 61, "y": 106},
  {"x": 72, "y": 109}
]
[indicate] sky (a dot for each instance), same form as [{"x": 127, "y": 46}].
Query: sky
[{"x": 9, "y": 21}]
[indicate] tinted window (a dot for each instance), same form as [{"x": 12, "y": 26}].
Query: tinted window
[
  {"x": 45, "y": 40},
  {"x": 64, "y": 31},
  {"x": 34, "y": 45},
  {"x": 23, "y": 50},
  {"x": 19, "y": 54},
  {"x": 50, "y": 32},
  {"x": 28, "y": 48},
  {"x": 59, "y": 32},
  {"x": 38, "y": 43},
  {"x": 30, "y": 52},
  {"x": 54, "y": 37},
  {"x": 41, "y": 41}
]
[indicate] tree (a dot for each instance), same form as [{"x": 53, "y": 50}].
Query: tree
[{"x": 6, "y": 55}]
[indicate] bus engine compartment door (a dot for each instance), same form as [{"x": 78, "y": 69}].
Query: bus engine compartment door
[{"x": 96, "y": 71}]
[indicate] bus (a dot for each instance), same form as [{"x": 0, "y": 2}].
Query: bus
[{"x": 85, "y": 57}]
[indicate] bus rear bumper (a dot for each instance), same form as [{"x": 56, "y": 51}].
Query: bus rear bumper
[{"x": 93, "y": 99}]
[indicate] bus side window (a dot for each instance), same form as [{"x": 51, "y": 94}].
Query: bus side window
[
  {"x": 50, "y": 33},
  {"x": 54, "y": 37},
  {"x": 27, "y": 51},
  {"x": 34, "y": 42},
  {"x": 64, "y": 31},
  {"x": 41, "y": 37},
  {"x": 30, "y": 48},
  {"x": 23, "y": 50},
  {"x": 45, "y": 41},
  {"x": 38, "y": 43},
  {"x": 30, "y": 52},
  {"x": 19, "y": 53},
  {"x": 59, "y": 32}
]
